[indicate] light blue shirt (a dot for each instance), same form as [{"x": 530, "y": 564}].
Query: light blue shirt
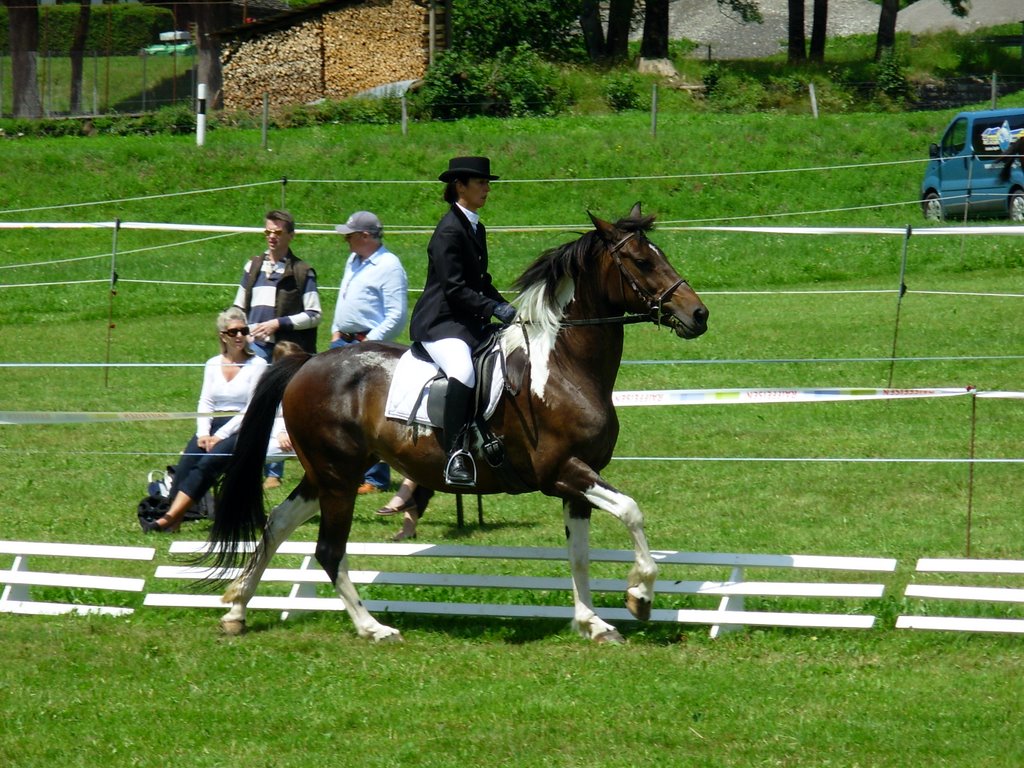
[{"x": 373, "y": 296}]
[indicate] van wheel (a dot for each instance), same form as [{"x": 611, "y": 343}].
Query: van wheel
[
  {"x": 1017, "y": 206},
  {"x": 931, "y": 206}
]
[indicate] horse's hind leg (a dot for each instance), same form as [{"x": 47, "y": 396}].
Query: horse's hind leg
[
  {"x": 577, "y": 532},
  {"x": 299, "y": 507},
  {"x": 335, "y": 524}
]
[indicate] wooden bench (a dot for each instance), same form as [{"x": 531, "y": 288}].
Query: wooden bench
[
  {"x": 731, "y": 592},
  {"x": 16, "y": 597},
  {"x": 967, "y": 593}
]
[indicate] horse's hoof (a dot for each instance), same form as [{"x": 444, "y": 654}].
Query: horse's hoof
[
  {"x": 233, "y": 628},
  {"x": 639, "y": 608},
  {"x": 610, "y": 637}
]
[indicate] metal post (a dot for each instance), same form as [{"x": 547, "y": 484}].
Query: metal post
[
  {"x": 201, "y": 115},
  {"x": 654, "y": 109},
  {"x": 266, "y": 118},
  {"x": 814, "y": 100},
  {"x": 110, "y": 305},
  {"x": 143, "y": 54},
  {"x": 995, "y": 89},
  {"x": 405, "y": 117},
  {"x": 970, "y": 472},
  {"x": 899, "y": 303}
]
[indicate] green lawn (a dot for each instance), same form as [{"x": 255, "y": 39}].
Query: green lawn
[{"x": 161, "y": 687}]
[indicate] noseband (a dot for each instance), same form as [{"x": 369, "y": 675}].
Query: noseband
[{"x": 655, "y": 304}]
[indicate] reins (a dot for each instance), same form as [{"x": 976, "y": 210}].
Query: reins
[{"x": 654, "y": 303}]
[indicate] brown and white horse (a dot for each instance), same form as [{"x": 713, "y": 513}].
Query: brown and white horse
[{"x": 559, "y": 429}]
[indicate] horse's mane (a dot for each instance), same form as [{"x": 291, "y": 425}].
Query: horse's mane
[
  {"x": 548, "y": 285},
  {"x": 546, "y": 274}
]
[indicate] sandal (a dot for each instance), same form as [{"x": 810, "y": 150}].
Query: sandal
[{"x": 388, "y": 511}]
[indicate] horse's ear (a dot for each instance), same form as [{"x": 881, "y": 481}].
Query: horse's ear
[
  {"x": 635, "y": 212},
  {"x": 607, "y": 230}
]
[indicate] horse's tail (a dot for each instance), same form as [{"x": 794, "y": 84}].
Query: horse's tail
[{"x": 239, "y": 507}]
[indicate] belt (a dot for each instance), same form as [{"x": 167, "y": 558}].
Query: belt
[{"x": 350, "y": 337}]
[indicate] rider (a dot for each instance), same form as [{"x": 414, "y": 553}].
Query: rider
[{"x": 452, "y": 314}]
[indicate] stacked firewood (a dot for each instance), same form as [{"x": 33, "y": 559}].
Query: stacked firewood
[{"x": 332, "y": 55}]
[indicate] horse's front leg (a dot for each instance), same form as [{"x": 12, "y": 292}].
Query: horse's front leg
[
  {"x": 577, "y": 533},
  {"x": 284, "y": 519},
  {"x": 640, "y": 586}
]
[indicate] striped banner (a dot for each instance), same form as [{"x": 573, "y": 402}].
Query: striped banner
[{"x": 794, "y": 395}]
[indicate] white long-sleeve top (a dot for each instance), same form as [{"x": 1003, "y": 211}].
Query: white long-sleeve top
[{"x": 219, "y": 394}]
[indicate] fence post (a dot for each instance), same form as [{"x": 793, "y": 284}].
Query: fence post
[
  {"x": 814, "y": 100},
  {"x": 1, "y": 89},
  {"x": 654, "y": 109},
  {"x": 142, "y": 53},
  {"x": 405, "y": 117},
  {"x": 201, "y": 114},
  {"x": 899, "y": 303},
  {"x": 995, "y": 89},
  {"x": 266, "y": 118}
]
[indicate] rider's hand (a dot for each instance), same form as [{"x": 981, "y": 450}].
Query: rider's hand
[{"x": 505, "y": 312}]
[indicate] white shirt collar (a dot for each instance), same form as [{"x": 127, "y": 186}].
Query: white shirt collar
[{"x": 473, "y": 216}]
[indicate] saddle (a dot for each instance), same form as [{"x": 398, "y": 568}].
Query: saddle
[{"x": 418, "y": 389}]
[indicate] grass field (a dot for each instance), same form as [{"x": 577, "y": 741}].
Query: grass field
[{"x": 162, "y": 688}]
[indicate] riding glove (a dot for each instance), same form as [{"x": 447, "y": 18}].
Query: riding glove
[{"x": 505, "y": 312}]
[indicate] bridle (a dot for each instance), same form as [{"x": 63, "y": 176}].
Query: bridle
[{"x": 655, "y": 304}]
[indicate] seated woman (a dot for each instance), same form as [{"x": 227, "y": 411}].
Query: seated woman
[{"x": 228, "y": 383}]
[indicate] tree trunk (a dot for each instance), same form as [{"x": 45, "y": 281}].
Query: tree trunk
[
  {"x": 819, "y": 26},
  {"x": 796, "y": 50},
  {"x": 620, "y": 16},
  {"x": 78, "y": 55},
  {"x": 210, "y": 16},
  {"x": 593, "y": 32},
  {"x": 886, "y": 38},
  {"x": 655, "y": 39},
  {"x": 23, "y": 26}
]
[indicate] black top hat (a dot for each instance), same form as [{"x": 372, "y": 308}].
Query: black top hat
[{"x": 468, "y": 168}]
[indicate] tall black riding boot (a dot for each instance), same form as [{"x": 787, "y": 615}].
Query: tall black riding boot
[{"x": 458, "y": 410}]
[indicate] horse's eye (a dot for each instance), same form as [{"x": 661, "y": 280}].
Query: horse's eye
[{"x": 643, "y": 265}]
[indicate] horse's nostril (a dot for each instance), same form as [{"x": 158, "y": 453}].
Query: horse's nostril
[{"x": 701, "y": 314}]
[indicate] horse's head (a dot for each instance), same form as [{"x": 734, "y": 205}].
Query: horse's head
[{"x": 648, "y": 283}]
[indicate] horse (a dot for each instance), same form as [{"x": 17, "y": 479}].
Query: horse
[{"x": 558, "y": 429}]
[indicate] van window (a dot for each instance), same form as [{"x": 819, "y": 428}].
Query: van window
[
  {"x": 990, "y": 131},
  {"x": 955, "y": 140}
]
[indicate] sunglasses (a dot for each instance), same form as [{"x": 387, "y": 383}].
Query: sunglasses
[
  {"x": 244, "y": 331},
  {"x": 269, "y": 232}
]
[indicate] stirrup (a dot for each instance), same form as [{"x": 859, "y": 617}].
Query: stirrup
[{"x": 461, "y": 476}]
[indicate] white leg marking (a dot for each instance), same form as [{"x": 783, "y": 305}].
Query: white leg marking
[
  {"x": 645, "y": 570},
  {"x": 585, "y": 621},
  {"x": 366, "y": 626},
  {"x": 284, "y": 518}
]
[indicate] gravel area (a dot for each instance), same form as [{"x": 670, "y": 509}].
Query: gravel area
[{"x": 705, "y": 22}]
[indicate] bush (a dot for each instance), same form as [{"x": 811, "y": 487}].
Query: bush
[
  {"x": 549, "y": 27},
  {"x": 891, "y": 79},
  {"x": 514, "y": 84},
  {"x": 622, "y": 92}
]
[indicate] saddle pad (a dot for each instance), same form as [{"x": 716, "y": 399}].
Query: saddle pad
[{"x": 412, "y": 376}]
